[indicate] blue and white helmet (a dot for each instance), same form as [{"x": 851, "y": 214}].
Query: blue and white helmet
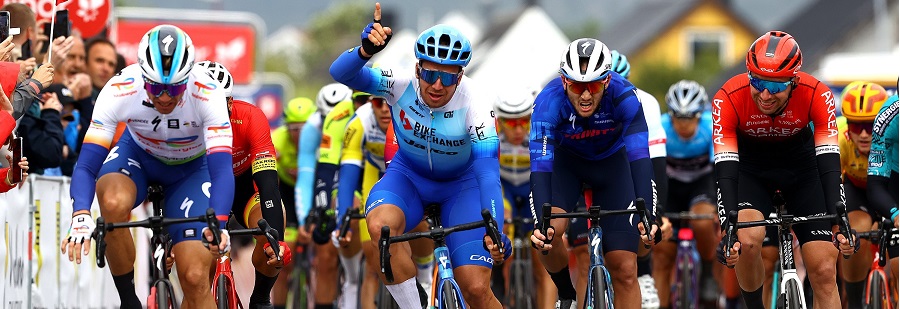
[
  {"x": 444, "y": 44},
  {"x": 620, "y": 64},
  {"x": 599, "y": 62},
  {"x": 686, "y": 99},
  {"x": 166, "y": 55}
]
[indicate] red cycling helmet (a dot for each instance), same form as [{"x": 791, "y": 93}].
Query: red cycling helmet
[{"x": 775, "y": 54}]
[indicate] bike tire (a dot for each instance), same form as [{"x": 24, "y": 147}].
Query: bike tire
[
  {"x": 385, "y": 300},
  {"x": 792, "y": 295},
  {"x": 600, "y": 289},
  {"x": 528, "y": 292},
  {"x": 449, "y": 300},
  {"x": 686, "y": 297},
  {"x": 298, "y": 289},
  {"x": 874, "y": 299},
  {"x": 162, "y": 298},
  {"x": 222, "y": 293}
]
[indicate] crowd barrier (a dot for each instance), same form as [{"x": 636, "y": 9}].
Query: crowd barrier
[{"x": 36, "y": 274}]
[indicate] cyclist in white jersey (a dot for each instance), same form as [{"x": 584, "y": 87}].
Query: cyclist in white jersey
[{"x": 179, "y": 136}]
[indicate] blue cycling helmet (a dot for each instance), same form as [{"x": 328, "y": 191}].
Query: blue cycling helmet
[
  {"x": 443, "y": 44},
  {"x": 166, "y": 55},
  {"x": 620, "y": 64}
]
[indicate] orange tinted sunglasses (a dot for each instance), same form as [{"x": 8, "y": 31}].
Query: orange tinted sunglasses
[
  {"x": 518, "y": 122},
  {"x": 593, "y": 87}
]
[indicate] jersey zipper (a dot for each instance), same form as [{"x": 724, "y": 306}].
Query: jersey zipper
[{"x": 428, "y": 140}]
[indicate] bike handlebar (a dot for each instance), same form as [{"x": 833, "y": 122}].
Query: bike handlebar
[
  {"x": 345, "y": 220},
  {"x": 263, "y": 229},
  {"x": 385, "y": 241},
  {"x": 152, "y": 222},
  {"x": 594, "y": 212},
  {"x": 684, "y": 215}
]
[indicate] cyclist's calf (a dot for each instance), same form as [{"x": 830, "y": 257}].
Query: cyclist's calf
[
  {"x": 818, "y": 258},
  {"x": 475, "y": 288}
]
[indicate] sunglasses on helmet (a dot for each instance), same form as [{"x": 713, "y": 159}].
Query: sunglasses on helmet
[
  {"x": 447, "y": 79},
  {"x": 157, "y": 89},
  {"x": 773, "y": 87},
  {"x": 593, "y": 87},
  {"x": 858, "y": 127}
]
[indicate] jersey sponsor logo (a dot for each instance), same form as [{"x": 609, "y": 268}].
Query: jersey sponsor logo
[
  {"x": 205, "y": 88},
  {"x": 437, "y": 151},
  {"x": 96, "y": 124},
  {"x": 831, "y": 107},
  {"x": 405, "y": 121},
  {"x": 173, "y": 124},
  {"x": 222, "y": 128},
  {"x": 884, "y": 119},
  {"x": 130, "y": 120},
  {"x": 756, "y": 123},
  {"x": 198, "y": 97},
  {"x": 174, "y": 142},
  {"x": 589, "y": 133},
  {"x": 478, "y": 257},
  {"x": 147, "y": 104},
  {"x": 126, "y": 84},
  {"x": 772, "y": 131},
  {"x": 125, "y": 94},
  {"x": 726, "y": 156},
  {"x": 717, "y": 122},
  {"x": 387, "y": 73},
  {"x": 448, "y": 114},
  {"x": 827, "y": 149},
  {"x": 155, "y": 123}
]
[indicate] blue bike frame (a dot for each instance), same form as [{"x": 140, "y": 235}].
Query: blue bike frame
[
  {"x": 445, "y": 276},
  {"x": 596, "y": 243}
]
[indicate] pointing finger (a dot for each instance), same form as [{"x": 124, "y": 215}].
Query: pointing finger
[{"x": 377, "y": 12}]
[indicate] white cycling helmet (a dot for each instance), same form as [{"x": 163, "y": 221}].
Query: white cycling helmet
[
  {"x": 592, "y": 51},
  {"x": 219, "y": 73},
  {"x": 686, "y": 99},
  {"x": 331, "y": 95},
  {"x": 166, "y": 55},
  {"x": 515, "y": 104}
]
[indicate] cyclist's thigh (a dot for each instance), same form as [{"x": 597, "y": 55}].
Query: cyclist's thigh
[
  {"x": 702, "y": 190},
  {"x": 754, "y": 194},
  {"x": 680, "y": 195},
  {"x": 578, "y": 229},
  {"x": 245, "y": 197},
  {"x": 613, "y": 189},
  {"x": 466, "y": 247},
  {"x": 806, "y": 198},
  {"x": 187, "y": 197},
  {"x": 565, "y": 186},
  {"x": 128, "y": 159},
  {"x": 856, "y": 199},
  {"x": 371, "y": 174},
  {"x": 398, "y": 188}
]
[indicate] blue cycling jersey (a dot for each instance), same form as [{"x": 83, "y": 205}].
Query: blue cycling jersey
[
  {"x": 618, "y": 122},
  {"x": 883, "y": 154},
  {"x": 689, "y": 159},
  {"x": 435, "y": 143}
]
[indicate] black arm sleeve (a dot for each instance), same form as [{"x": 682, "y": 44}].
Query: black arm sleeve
[
  {"x": 270, "y": 199},
  {"x": 727, "y": 185},
  {"x": 882, "y": 194},
  {"x": 829, "y": 165},
  {"x": 662, "y": 184}
]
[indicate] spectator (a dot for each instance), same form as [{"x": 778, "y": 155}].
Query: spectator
[
  {"x": 70, "y": 126},
  {"x": 121, "y": 63},
  {"x": 73, "y": 61},
  {"x": 7, "y": 183},
  {"x": 42, "y": 128},
  {"x": 101, "y": 62},
  {"x": 21, "y": 16}
]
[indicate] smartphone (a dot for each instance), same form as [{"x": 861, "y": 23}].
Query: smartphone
[
  {"x": 17, "y": 172},
  {"x": 62, "y": 28},
  {"x": 4, "y": 25}
]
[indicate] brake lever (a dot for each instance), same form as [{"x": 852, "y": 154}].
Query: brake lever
[
  {"x": 213, "y": 224},
  {"x": 384, "y": 245},
  {"x": 492, "y": 229},
  {"x": 271, "y": 236}
]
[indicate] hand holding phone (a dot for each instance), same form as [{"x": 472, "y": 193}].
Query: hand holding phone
[
  {"x": 4, "y": 25},
  {"x": 61, "y": 28}
]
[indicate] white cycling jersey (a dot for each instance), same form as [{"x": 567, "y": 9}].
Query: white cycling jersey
[
  {"x": 198, "y": 124},
  {"x": 655, "y": 132}
]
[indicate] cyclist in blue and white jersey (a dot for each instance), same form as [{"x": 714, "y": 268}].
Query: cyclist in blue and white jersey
[
  {"x": 578, "y": 232},
  {"x": 688, "y": 124},
  {"x": 882, "y": 180},
  {"x": 447, "y": 155},
  {"x": 179, "y": 136},
  {"x": 588, "y": 128}
]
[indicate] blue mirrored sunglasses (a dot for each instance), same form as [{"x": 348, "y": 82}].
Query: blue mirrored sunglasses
[
  {"x": 431, "y": 76},
  {"x": 157, "y": 89},
  {"x": 772, "y": 87}
]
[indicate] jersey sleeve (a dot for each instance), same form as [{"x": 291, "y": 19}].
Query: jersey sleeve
[
  {"x": 261, "y": 135},
  {"x": 726, "y": 157},
  {"x": 97, "y": 142},
  {"x": 656, "y": 133},
  {"x": 351, "y": 165},
  {"x": 352, "y": 148},
  {"x": 217, "y": 138},
  {"x": 310, "y": 138},
  {"x": 543, "y": 140},
  {"x": 349, "y": 69},
  {"x": 828, "y": 153},
  {"x": 481, "y": 122}
]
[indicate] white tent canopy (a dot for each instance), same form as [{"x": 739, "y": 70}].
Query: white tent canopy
[
  {"x": 400, "y": 55},
  {"x": 875, "y": 67},
  {"x": 527, "y": 55}
]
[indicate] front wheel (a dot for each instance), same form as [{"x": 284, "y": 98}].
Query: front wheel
[
  {"x": 874, "y": 293},
  {"x": 792, "y": 295},
  {"x": 222, "y": 293},
  {"x": 163, "y": 298},
  {"x": 449, "y": 298},
  {"x": 600, "y": 289}
]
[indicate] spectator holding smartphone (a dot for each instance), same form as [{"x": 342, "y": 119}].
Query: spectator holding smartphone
[{"x": 41, "y": 126}]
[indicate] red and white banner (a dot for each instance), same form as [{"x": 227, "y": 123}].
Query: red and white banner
[
  {"x": 88, "y": 16},
  {"x": 231, "y": 44}
]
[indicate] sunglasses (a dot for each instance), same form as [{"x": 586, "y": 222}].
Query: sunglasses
[
  {"x": 378, "y": 102},
  {"x": 773, "y": 87},
  {"x": 593, "y": 87},
  {"x": 517, "y": 122},
  {"x": 447, "y": 79},
  {"x": 158, "y": 89},
  {"x": 858, "y": 127}
]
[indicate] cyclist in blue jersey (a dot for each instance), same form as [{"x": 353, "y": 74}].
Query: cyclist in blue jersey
[
  {"x": 882, "y": 179},
  {"x": 177, "y": 135},
  {"x": 447, "y": 155},
  {"x": 588, "y": 128},
  {"x": 688, "y": 124}
]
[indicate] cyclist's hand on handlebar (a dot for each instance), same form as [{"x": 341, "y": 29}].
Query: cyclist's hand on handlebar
[
  {"x": 375, "y": 37},
  {"x": 648, "y": 240},
  {"x": 341, "y": 242},
  {"x": 541, "y": 242},
  {"x": 843, "y": 245},
  {"x": 170, "y": 260},
  {"x": 79, "y": 239},
  {"x": 735, "y": 253},
  {"x": 304, "y": 234},
  {"x": 666, "y": 228},
  {"x": 494, "y": 249},
  {"x": 284, "y": 252},
  {"x": 224, "y": 242}
]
